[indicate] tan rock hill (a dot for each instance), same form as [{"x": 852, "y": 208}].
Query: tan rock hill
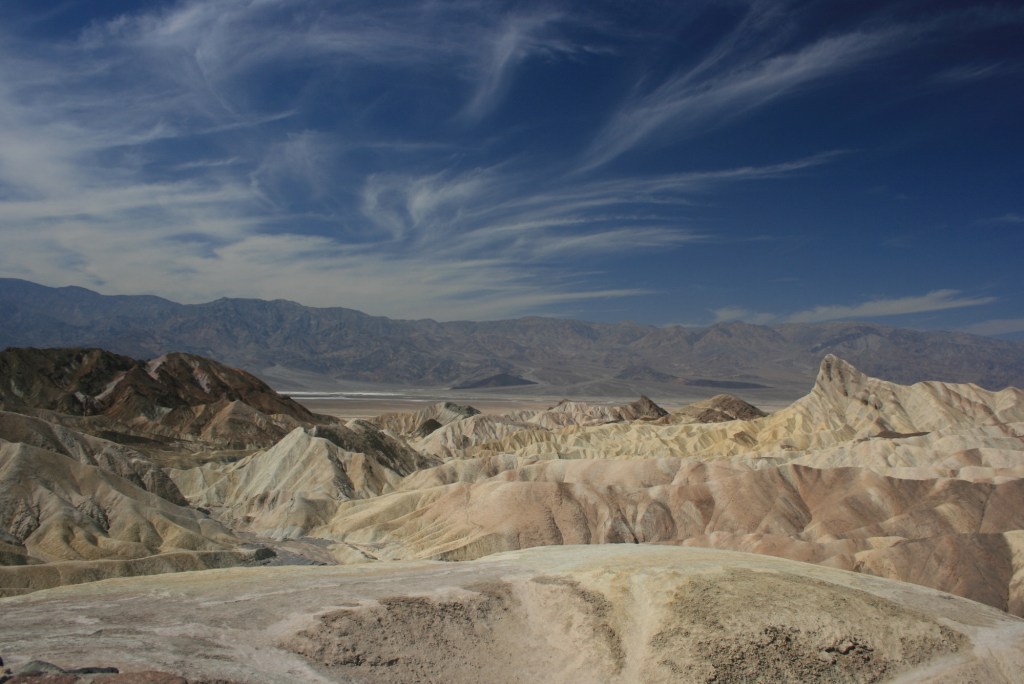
[
  {"x": 620, "y": 614},
  {"x": 579, "y": 413},
  {"x": 117, "y": 458},
  {"x": 410, "y": 422},
  {"x": 864, "y": 421},
  {"x": 59, "y": 511},
  {"x": 720, "y": 408},
  {"x": 843, "y": 517},
  {"x": 457, "y": 436},
  {"x": 297, "y": 484},
  {"x": 77, "y": 507}
]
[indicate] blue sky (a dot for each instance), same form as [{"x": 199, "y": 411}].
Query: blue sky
[{"x": 664, "y": 162}]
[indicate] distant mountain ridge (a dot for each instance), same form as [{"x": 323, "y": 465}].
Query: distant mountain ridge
[{"x": 275, "y": 339}]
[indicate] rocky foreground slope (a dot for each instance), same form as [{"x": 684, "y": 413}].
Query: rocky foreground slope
[{"x": 570, "y": 614}]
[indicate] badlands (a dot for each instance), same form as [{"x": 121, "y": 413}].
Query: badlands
[{"x": 868, "y": 532}]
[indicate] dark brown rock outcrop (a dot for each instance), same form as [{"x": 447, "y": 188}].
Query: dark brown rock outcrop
[{"x": 178, "y": 396}]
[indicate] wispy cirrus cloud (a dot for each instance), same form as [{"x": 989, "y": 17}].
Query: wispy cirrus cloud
[
  {"x": 518, "y": 38},
  {"x": 996, "y": 326},
  {"x": 762, "y": 59},
  {"x": 197, "y": 190},
  {"x": 967, "y": 73},
  {"x": 711, "y": 93},
  {"x": 730, "y": 314},
  {"x": 937, "y": 300},
  {"x": 216, "y": 46},
  {"x": 515, "y": 213},
  {"x": 384, "y": 156}
]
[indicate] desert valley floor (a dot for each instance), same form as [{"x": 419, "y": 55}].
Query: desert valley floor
[{"x": 868, "y": 531}]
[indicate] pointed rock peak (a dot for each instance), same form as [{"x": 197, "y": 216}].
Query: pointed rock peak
[
  {"x": 645, "y": 408},
  {"x": 461, "y": 409},
  {"x": 836, "y": 373},
  {"x": 725, "y": 407},
  {"x": 449, "y": 412}
]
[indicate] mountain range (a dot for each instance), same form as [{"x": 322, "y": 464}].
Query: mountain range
[{"x": 295, "y": 347}]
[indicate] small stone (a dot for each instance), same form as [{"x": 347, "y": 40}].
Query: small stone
[{"x": 38, "y": 667}]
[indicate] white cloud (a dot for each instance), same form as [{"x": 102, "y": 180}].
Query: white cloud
[
  {"x": 215, "y": 44},
  {"x": 731, "y": 314},
  {"x": 314, "y": 270},
  {"x": 140, "y": 159},
  {"x": 146, "y": 156},
  {"x": 938, "y": 300},
  {"x": 499, "y": 211},
  {"x": 1009, "y": 218},
  {"x": 692, "y": 99},
  {"x": 516, "y": 39},
  {"x": 467, "y": 245},
  {"x": 967, "y": 73},
  {"x": 444, "y": 242},
  {"x": 996, "y": 326}
]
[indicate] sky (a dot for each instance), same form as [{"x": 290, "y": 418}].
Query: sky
[{"x": 662, "y": 162}]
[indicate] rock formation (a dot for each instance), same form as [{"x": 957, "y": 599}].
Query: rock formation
[
  {"x": 408, "y": 423},
  {"x": 917, "y": 483},
  {"x": 119, "y": 459},
  {"x": 298, "y": 484},
  {"x": 75, "y": 506},
  {"x": 720, "y": 408},
  {"x": 175, "y": 396},
  {"x": 920, "y": 483},
  {"x": 64, "y": 521}
]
